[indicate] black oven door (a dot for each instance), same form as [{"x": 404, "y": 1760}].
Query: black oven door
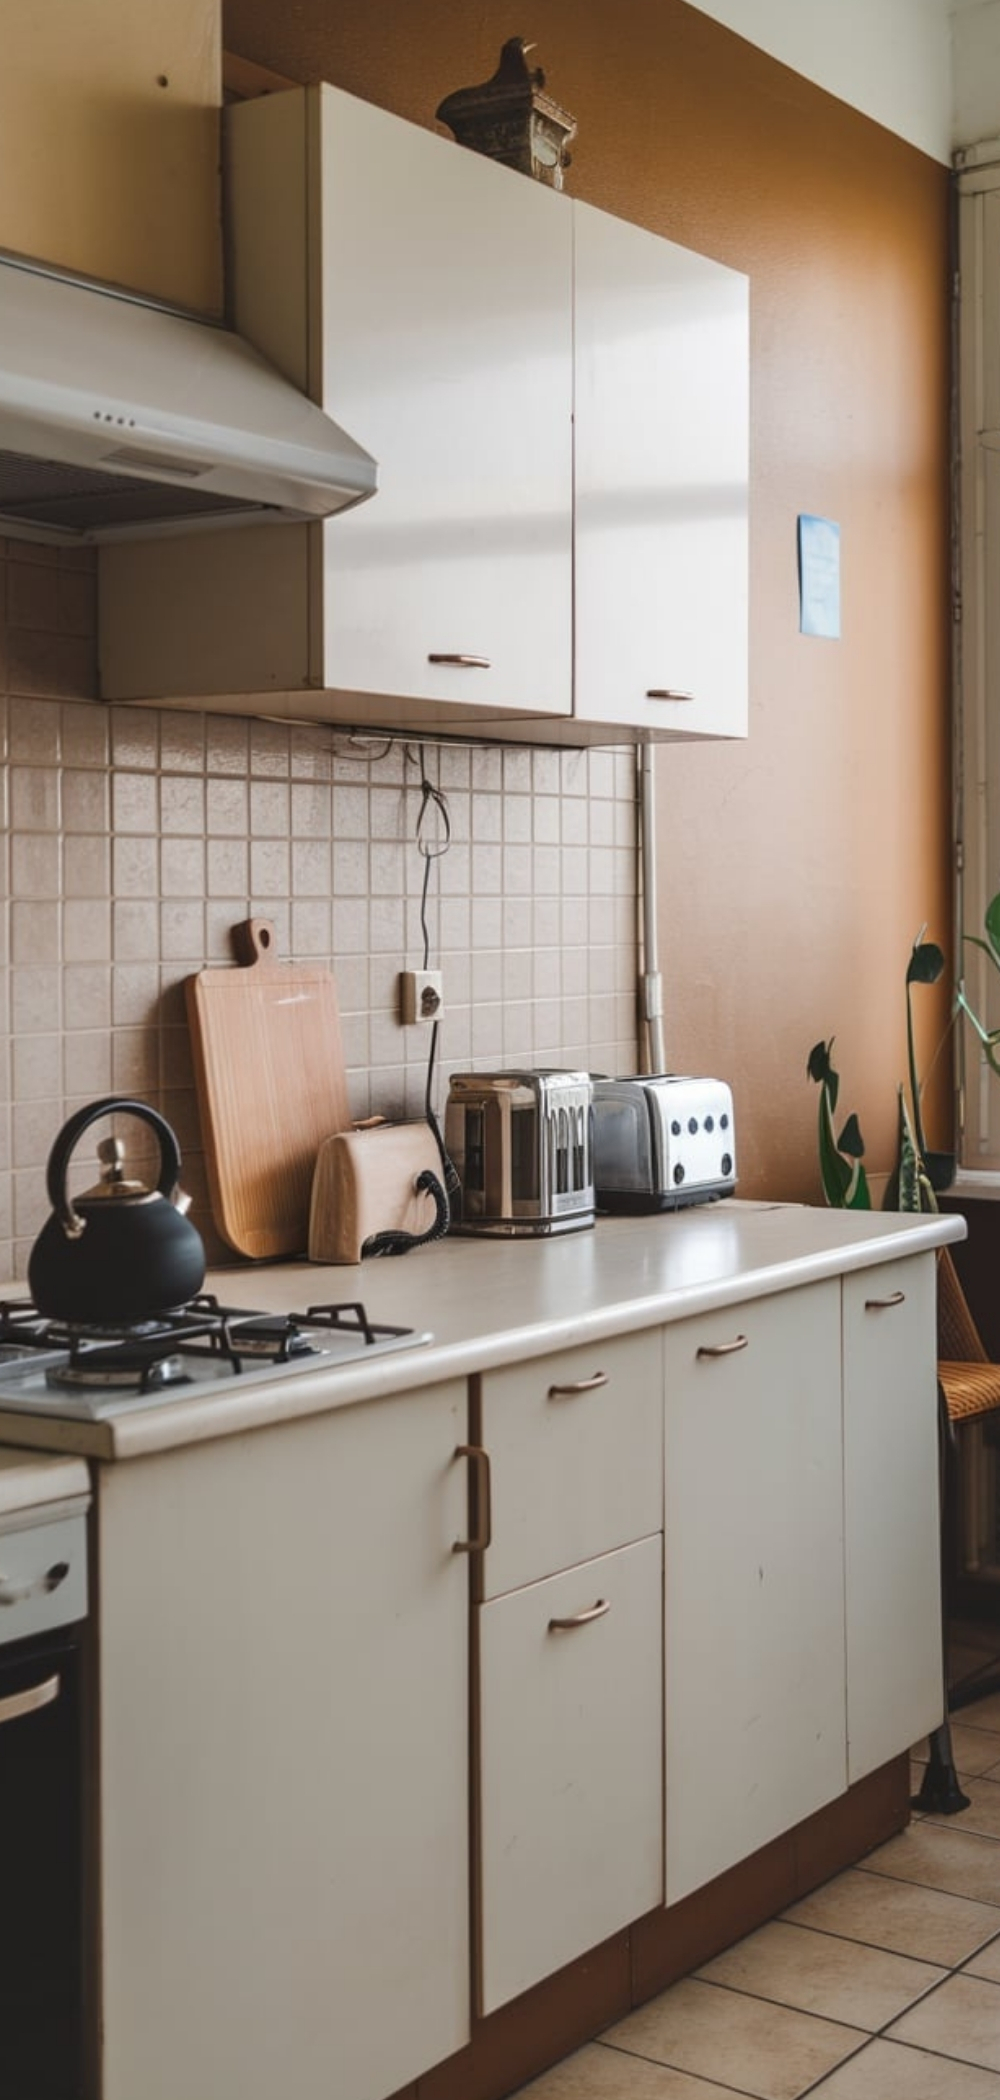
[{"x": 41, "y": 1842}]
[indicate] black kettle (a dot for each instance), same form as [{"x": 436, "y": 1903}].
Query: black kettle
[{"x": 121, "y": 1253}]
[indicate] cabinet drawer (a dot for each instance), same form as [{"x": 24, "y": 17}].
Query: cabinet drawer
[
  {"x": 894, "y": 1656},
  {"x": 575, "y": 1443},
  {"x": 571, "y": 1765},
  {"x": 43, "y": 1577}
]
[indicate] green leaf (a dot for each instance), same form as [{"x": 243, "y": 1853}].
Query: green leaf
[
  {"x": 850, "y": 1139},
  {"x": 926, "y": 963},
  {"x": 992, "y": 924}
]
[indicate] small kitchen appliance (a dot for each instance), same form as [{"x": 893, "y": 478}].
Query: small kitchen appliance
[
  {"x": 122, "y": 1251},
  {"x": 662, "y": 1141},
  {"x": 522, "y": 1146}
]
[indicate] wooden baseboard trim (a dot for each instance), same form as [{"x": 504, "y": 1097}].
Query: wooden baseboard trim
[{"x": 547, "y": 2023}]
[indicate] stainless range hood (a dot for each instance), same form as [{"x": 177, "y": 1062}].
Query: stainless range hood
[{"x": 121, "y": 418}]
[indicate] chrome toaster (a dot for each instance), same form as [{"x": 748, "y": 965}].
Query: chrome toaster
[
  {"x": 522, "y": 1146},
  {"x": 662, "y": 1141}
]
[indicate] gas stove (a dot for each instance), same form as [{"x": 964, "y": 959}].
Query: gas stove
[{"x": 89, "y": 1373}]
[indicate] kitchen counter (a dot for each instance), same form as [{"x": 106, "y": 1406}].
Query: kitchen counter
[{"x": 492, "y": 1302}]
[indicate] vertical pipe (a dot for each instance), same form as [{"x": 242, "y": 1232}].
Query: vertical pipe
[{"x": 651, "y": 984}]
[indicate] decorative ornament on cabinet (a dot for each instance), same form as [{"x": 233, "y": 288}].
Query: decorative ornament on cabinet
[{"x": 511, "y": 119}]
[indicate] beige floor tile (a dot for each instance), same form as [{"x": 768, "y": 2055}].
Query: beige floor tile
[
  {"x": 986, "y": 1962},
  {"x": 597, "y": 2073},
  {"x": 941, "y": 1856},
  {"x": 974, "y": 1749},
  {"x": 759, "y": 2048},
  {"x": 983, "y": 1812},
  {"x": 984, "y": 1714},
  {"x": 898, "y": 1915},
  {"x": 961, "y": 2019},
  {"x": 793, "y": 1965},
  {"x": 884, "y": 2071}
]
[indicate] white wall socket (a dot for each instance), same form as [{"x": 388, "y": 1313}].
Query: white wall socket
[{"x": 421, "y": 997}]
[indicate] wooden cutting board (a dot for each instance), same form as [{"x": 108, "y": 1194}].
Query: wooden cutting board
[{"x": 269, "y": 1072}]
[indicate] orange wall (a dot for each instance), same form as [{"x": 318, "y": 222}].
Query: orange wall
[{"x": 795, "y": 869}]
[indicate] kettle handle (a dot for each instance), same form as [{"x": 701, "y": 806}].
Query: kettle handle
[{"x": 59, "y": 1157}]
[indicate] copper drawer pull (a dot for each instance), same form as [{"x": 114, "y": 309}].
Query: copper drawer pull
[
  {"x": 472, "y": 663},
  {"x": 481, "y": 1461},
  {"x": 581, "y": 1618},
  {"x": 666, "y": 692},
  {"x": 29, "y": 1702},
  {"x": 883, "y": 1304},
  {"x": 723, "y": 1348},
  {"x": 580, "y": 1385}
]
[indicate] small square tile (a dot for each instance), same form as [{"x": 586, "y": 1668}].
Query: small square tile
[
  {"x": 986, "y": 1962},
  {"x": 135, "y": 738},
  {"x": 941, "y": 1856},
  {"x": 134, "y": 805},
  {"x": 961, "y": 2018},
  {"x": 84, "y": 734},
  {"x": 766, "y": 2050},
  {"x": 886, "y": 2071},
  {"x": 86, "y": 930},
  {"x": 182, "y": 805},
  {"x": 793, "y": 1965},
  {"x": 904, "y": 1917},
  {"x": 34, "y": 798}
]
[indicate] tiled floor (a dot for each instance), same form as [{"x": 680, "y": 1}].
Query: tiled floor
[{"x": 882, "y": 1985}]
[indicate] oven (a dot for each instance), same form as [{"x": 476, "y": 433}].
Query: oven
[{"x": 43, "y": 1603}]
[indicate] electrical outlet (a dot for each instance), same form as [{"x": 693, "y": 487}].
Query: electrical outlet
[{"x": 421, "y": 997}]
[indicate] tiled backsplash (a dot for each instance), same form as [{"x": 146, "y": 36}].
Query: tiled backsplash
[{"x": 136, "y": 839}]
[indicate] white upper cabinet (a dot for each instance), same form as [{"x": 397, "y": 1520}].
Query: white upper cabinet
[
  {"x": 557, "y": 402},
  {"x": 662, "y": 405}
]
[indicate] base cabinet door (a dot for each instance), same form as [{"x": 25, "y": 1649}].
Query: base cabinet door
[
  {"x": 284, "y": 1759},
  {"x": 570, "y": 1765},
  {"x": 754, "y": 1577},
  {"x": 895, "y": 1674}
]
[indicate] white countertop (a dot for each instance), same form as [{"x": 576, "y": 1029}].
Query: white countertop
[{"x": 489, "y": 1302}]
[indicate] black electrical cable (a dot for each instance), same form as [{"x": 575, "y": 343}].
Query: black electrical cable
[{"x": 433, "y": 799}]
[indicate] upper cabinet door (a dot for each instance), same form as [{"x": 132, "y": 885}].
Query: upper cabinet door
[
  {"x": 442, "y": 291},
  {"x": 662, "y": 389}
]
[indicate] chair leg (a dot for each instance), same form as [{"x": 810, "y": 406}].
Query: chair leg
[{"x": 940, "y": 1793}]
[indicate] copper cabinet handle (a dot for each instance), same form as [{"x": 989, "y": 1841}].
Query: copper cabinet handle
[
  {"x": 481, "y": 1460},
  {"x": 581, "y": 1618},
  {"x": 20, "y": 1703},
  {"x": 14, "y": 1589},
  {"x": 666, "y": 692},
  {"x": 473, "y": 663},
  {"x": 579, "y": 1385},
  {"x": 883, "y": 1304},
  {"x": 723, "y": 1348}
]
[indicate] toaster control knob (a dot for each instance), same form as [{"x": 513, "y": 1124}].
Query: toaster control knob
[
  {"x": 678, "y": 1174},
  {"x": 727, "y": 1163}
]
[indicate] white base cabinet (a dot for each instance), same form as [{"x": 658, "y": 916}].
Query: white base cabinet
[
  {"x": 571, "y": 1768},
  {"x": 754, "y": 1556},
  {"x": 891, "y": 1505},
  {"x": 284, "y": 1759}
]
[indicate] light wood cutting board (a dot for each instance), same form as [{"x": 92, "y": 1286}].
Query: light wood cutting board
[{"x": 269, "y": 1071}]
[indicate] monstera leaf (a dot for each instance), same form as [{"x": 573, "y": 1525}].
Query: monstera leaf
[{"x": 845, "y": 1183}]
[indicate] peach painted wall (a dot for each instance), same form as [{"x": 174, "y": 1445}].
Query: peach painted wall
[{"x": 795, "y": 869}]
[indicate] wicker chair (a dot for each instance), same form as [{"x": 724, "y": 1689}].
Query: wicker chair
[{"x": 968, "y": 1389}]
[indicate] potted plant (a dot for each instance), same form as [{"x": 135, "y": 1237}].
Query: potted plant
[{"x": 918, "y": 1172}]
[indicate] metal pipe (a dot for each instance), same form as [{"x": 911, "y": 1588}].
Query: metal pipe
[{"x": 650, "y": 983}]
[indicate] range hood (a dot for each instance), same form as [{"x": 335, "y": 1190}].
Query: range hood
[{"x": 120, "y": 418}]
